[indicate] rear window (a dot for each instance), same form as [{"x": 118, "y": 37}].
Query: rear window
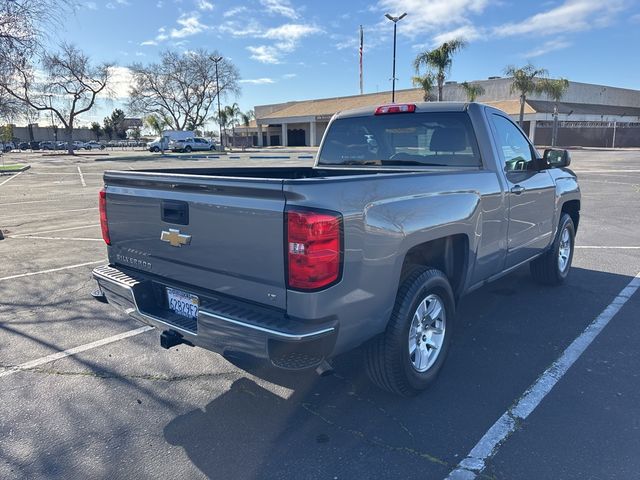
[{"x": 429, "y": 139}]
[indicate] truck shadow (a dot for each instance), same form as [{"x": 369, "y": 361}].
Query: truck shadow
[{"x": 341, "y": 426}]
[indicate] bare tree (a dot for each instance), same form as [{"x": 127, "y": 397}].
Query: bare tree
[
  {"x": 67, "y": 85},
  {"x": 182, "y": 87},
  {"x": 22, "y": 23}
]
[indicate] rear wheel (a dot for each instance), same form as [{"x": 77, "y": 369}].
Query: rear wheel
[
  {"x": 155, "y": 149},
  {"x": 553, "y": 267},
  {"x": 407, "y": 357},
  {"x": 187, "y": 149}
]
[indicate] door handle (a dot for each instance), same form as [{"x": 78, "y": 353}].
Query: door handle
[{"x": 517, "y": 189}]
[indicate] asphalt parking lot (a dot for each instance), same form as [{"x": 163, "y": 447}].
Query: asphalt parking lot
[{"x": 122, "y": 407}]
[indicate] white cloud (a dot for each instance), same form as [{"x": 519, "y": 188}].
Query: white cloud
[
  {"x": 234, "y": 11},
  {"x": 121, "y": 79},
  {"x": 468, "y": 33},
  {"x": 428, "y": 16},
  {"x": 280, "y": 7},
  {"x": 235, "y": 28},
  {"x": 91, "y": 5},
  {"x": 110, "y": 6},
  {"x": 570, "y": 16},
  {"x": 550, "y": 46},
  {"x": 289, "y": 34},
  {"x": 204, "y": 5},
  {"x": 289, "y": 75},
  {"x": 265, "y": 54},
  {"x": 148, "y": 43},
  {"x": 190, "y": 25},
  {"x": 258, "y": 81}
]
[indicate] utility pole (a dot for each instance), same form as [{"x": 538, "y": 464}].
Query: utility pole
[{"x": 395, "y": 21}]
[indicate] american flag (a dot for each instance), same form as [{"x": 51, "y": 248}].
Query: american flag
[{"x": 361, "y": 51}]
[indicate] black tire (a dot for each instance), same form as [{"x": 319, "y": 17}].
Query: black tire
[
  {"x": 155, "y": 149},
  {"x": 387, "y": 357},
  {"x": 187, "y": 149},
  {"x": 546, "y": 268}
]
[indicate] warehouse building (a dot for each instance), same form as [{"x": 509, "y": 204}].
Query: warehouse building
[{"x": 589, "y": 115}]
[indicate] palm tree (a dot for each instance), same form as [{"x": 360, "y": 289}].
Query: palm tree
[
  {"x": 472, "y": 90},
  {"x": 233, "y": 112},
  {"x": 555, "y": 90},
  {"x": 223, "y": 120},
  {"x": 246, "y": 119},
  {"x": 440, "y": 60},
  {"x": 524, "y": 82},
  {"x": 426, "y": 82}
]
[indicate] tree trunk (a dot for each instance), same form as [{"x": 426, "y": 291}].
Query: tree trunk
[
  {"x": 554, "y": 132},
  {"x": 68, "y": 133},
  {"x": 522, "y": 100},
  {"x": 440, "y": 85}
]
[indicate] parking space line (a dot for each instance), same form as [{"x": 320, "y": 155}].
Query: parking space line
[
  {"x": 605, "y": 247},
  {"x": 48, "y": 200},
  {"x": 50, "y": 270},
  {"x": 12, "y": 177},
  {"x": 84, "y": 184},
  {"x": 53, "y": 231},
  {"x": 58, "y": 211},
  {"x": 79, "y": 239},
  {"x": 489, "y": 444},
  {"x": 72, "y": 351}
]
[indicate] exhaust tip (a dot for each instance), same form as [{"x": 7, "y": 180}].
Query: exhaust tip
[{"x": 324, "y": 369}]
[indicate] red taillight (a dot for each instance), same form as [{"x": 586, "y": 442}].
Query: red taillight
[
  {"x": 102, "y": 205},
  {"x": 396, "y": 108},
  {"x": 314, "y": 248}
]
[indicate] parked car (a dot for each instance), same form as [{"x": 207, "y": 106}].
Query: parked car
[
  {"x": 93, "y": 145},
  {"x": 162, "y": 142},
  {"x": 78, "y": 145},
  {"x": 408, "y": 208},
  {"x": 47, "y": 145},
  {"x": 7, "y": 146},
  {"x": 191, "y": 144},
  {"x": 23, "y": 145},
  {"x": 34, "y": 145}
]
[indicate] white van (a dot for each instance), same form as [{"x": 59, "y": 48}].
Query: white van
[{"x": 162, "y": 143}]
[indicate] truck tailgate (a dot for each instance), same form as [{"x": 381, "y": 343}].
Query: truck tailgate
[{"x": 220, "y": 234}]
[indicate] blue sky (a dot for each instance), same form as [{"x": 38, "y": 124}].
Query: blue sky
[{"x": 288, "y": 50}]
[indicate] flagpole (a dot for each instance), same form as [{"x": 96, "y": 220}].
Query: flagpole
[{"x": 361, "y": 54}]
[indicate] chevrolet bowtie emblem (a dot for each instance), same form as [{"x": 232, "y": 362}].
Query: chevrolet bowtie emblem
[{"x": 175, "y": 238}]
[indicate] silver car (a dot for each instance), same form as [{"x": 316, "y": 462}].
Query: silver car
[{"x": 191, "y": 144}]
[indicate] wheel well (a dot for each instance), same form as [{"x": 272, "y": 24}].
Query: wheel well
[
  {"x": 447, "y": 254},
  {"x": 572, "y": 207}
]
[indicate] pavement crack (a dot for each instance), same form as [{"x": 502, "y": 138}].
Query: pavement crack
[{"x": 375, "y": 440}]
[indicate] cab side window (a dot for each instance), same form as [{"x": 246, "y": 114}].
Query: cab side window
[{"x": 516, "y": 151}]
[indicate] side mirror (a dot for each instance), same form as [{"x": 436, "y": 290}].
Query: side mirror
[{"x": 556, "y": 158}]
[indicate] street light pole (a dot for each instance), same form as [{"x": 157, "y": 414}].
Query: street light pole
[
  {"x": 395, "y": 21},
  {"x": 216, "y": 60}
]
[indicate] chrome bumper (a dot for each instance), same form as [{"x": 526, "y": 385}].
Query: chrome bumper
[{"x": 222, "y": 325}]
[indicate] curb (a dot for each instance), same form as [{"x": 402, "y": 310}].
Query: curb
[{"x": 17, "y": 170}]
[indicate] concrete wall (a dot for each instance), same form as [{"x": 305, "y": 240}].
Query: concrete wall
[{"x": 46, "y": 133}]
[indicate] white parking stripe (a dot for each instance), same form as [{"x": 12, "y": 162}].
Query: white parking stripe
[
  {"x": 58, "y": 211},
  {"x": 79, "y": 239},
  {"x": 605, "y": 247},
  {"x": 84, "y": 184},
  {"x": 52, "y": 231},
  {"x": 12, "y": 177},
  {"x": 489, "y": 444},
  {"x": 72, "y": 351},
  {"x": 20, "y": 275},
  {"x": 53, "y": 199}
]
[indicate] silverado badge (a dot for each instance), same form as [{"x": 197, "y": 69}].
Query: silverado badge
[{"x": 175, "y": 238}]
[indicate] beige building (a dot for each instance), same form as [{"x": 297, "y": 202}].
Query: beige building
[{"x": 589, "y": 115}]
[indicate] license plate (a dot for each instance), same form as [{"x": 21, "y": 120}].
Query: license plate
[{"x": 183, "y": 303}]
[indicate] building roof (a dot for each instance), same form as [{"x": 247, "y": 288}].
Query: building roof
[
  {"x": 542, "y": 106},
  {"x": 328, "y": 106}
]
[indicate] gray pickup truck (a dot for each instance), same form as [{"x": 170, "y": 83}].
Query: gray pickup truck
[{"x": 408, "y": 207}]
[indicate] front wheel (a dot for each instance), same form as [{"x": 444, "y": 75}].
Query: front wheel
[
  {"x": 407, "y": 357},
  {"x": 553, "y": 267},
  {"x": 155, "y": 149},
  {"x": 187, "y": 149}
]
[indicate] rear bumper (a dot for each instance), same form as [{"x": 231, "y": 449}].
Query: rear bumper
[{"x": 225, "y": 326}]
